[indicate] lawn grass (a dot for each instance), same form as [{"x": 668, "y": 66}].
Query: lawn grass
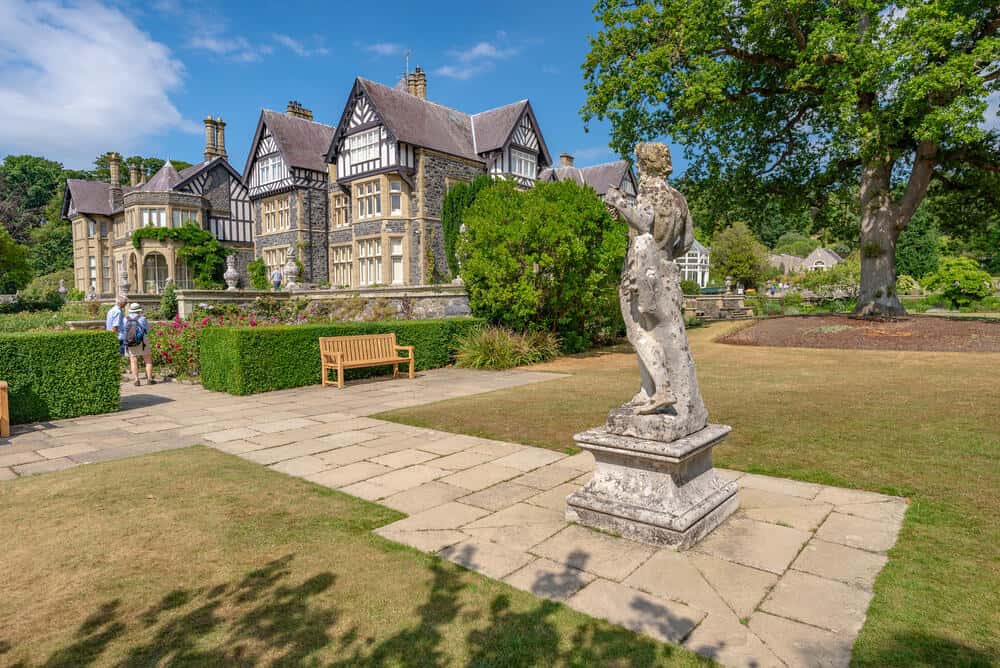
[
  {"x": 196, "y": 558},
  {"x": 921, "y": 425}
]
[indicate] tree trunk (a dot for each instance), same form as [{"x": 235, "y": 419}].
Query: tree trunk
[
  {"x": 879, "y": 231},
  {"x": 878, "y": 268}
]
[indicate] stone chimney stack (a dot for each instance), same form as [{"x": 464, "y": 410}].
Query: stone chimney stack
[
  {"x": 210, "y": 150},
  {"x": 566, "y": 159},
  {"x": 115, "y": 167},
  {"x": 411, "y": 83},
  {"x": 420, "y": 83},
  {"x": 296, "y": 109},
  {"x": 133, "y": 174},
  {"x": 220, "y": 137},
  {"x": 115, "y": 191}
]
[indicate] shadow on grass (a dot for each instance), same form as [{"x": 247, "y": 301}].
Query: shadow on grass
[{"x": 265, "y": 620}]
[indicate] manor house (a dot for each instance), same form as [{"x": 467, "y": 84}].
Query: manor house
[{"x": 359, "y": 203}]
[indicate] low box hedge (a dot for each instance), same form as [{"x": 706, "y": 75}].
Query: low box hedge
[
  {"x": 248, "y": 360},
  {"x": 55, "y": 375}
]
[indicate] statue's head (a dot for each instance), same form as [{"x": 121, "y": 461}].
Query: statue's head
[{"x": 653, "y": 159}]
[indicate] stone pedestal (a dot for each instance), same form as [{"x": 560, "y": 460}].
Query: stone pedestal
[{"x": 663, "y": 493}]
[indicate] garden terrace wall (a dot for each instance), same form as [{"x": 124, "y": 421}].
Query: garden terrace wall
[
  {"x": 418, "y": 301},
  {"x": 55, "y": 375},
  {"x": 248, "y": 360}
]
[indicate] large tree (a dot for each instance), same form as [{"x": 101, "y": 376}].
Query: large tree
[{"x": 819, "y": 93}]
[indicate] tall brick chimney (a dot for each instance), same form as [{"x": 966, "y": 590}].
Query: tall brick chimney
[
  {"x": 210, "y": 151},
  {"x": 133, "y": 174},
  {"x": 220, "y": 137},
  {"x": 411, "y": 83},
  {"x": 115, "y": 191},
  {"x": 566, "y": 159},
  {"x": 420, "y": 83},
  {"x": 296, "y": 109}
]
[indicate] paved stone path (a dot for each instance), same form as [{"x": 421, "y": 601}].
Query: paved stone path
[{"x": 786, "y": 581}]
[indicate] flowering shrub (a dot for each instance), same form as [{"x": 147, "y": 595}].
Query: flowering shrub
[{"x": 176, "y": 343}]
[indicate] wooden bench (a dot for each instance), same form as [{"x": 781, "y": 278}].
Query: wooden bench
[
  {"x": 4, "y": 411},
  {"x": 352, "y": 352}
]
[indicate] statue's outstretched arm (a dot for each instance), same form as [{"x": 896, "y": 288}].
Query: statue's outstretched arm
[{"x": 641, "y": 220}]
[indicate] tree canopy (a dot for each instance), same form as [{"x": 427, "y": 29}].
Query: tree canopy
[
  {"x": 809, "y": 97},
  {"x": 544, "y": 259}
]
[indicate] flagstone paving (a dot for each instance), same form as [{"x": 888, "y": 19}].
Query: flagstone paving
[{"x": 786, "y": 581}]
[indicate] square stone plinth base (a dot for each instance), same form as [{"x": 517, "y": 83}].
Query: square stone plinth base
[{"x": 660, "y": 493}]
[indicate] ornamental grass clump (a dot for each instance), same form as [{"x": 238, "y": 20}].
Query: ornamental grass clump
[{"x": 502, "y": 348}]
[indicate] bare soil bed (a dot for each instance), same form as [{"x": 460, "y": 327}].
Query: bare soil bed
[{"x": 915, "y": 332}]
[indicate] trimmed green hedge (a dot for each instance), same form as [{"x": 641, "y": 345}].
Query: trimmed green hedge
[
  {"x": 248, "y": 360},
  {"x": 55, "y": 375}
]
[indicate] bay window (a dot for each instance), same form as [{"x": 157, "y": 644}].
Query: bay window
[
  {"x": 523, "y": 164},
  {"x": 369, "y": 196},
  {"x": 154, "y": 217}
]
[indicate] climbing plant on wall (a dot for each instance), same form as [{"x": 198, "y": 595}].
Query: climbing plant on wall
[{"x": 201, "y": 251}]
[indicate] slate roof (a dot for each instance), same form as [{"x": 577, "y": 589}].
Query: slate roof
[
  {"x": 599, "y": 177},
  {"x": 164, "y": 180},
  {"x": 417, "y": 121},
  {"x": 90, "y": 197},
  {"x": 493, "y": 127},
  {"x": 302, "y": 143}
]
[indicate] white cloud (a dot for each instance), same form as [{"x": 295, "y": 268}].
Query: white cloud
[
  {"x": 233, "y": 48},
  {"x": 385, "y": 48},
  {"x": 479, "y": 58},
  {"x": 299, "y": 48},
  {"x": 79, "y": 79},
  {"x": 593, "y": 154}
]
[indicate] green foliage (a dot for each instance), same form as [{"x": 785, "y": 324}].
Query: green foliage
[
  {"x": 842, "y": 281},
  {"x": 795, "y": 243},
  {"x": 204, "y": 255},
  {"x": 737, "y": 253},
  {"x": 917, "y": 249},
  {"x": 907, "y": 285},
  {"x": 44, "y": 287},
  {"x": 690, "y": 287},
  {"x": 545, "y": 259},
  {"x": 458, "y": 198},
  {"x": 15, "y": 271},
  {"x": 809, "y": 99},
  {"x": 168, "y": 302},
  {"x": 248, "y": 360},
  {"x": 501, "y": 348},
  {"x": 51, "y": 247},
  {"x": 147, "y": 166},
  {"x": 960, "y": 281},
  {"x": 54, "y": 375},
  {"x": 27, "y": 183},
  {"x": 258, "y": 274}
]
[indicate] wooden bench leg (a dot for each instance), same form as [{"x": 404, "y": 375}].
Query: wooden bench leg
[
  {"x": 4, "y": 412},
  {"x": 411, "y": 369},
  {"x": 340, "y": 376},
  {"x": 395, "y": 370}
]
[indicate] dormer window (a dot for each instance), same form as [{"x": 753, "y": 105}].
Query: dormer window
[
  {"x": 363, "y": 147},
  {"x": 523, "y": 164}
]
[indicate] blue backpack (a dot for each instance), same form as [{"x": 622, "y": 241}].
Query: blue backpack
[{"x": 134, "y": 332}]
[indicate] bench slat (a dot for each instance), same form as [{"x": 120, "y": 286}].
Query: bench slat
[{"x": 361, "y": 350}]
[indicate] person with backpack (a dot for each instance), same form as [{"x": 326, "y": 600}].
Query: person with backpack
[{"x": 137, "y": 343}]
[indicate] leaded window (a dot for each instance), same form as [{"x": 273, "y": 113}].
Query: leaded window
[
  {"x": 370, "y": 261},
  {"x": 340, "y": 258}
]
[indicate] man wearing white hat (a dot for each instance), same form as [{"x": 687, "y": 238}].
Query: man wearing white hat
[{"x": 136, "y": 337}]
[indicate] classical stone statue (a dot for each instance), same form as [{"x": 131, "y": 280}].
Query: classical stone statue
[
  {"x": 661, "y": 230},
  {"x": 653, "y": 477}
]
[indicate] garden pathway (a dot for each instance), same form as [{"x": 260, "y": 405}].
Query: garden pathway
[{"x": 786, "y": 581}]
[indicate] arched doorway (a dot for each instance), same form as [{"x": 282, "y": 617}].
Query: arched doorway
[{"x": 154, "y": 273}]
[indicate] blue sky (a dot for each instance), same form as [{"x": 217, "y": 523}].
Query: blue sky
[{"x": 81, "y": 78}]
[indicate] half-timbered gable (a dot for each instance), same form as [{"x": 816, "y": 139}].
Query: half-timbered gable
[
  {"x": 230, "y": 216},
  {"x": 287, "y": 182},
  {"x": 510, "y": 138}
]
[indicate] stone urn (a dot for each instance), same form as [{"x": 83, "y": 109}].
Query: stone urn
[
  {"x": 232, "y": 276},
  {"x": 291, "y": 271},
  {"x": 91, "y": 295},
  {"x": 123, "y": 285}
]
